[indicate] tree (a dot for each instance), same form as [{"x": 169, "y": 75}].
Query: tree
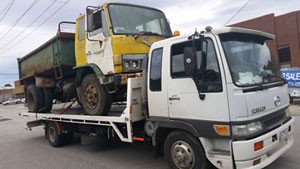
[{"x": 7, "y": 85}]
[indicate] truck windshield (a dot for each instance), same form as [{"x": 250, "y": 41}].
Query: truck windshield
[
  {"x": 128, "y": 19},
  {"x": 249, "y": 59}
]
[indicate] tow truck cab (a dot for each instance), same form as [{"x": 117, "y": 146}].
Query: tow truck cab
[{"x": 221, "y": 87}]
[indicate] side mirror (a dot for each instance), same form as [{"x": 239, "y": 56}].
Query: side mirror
[
  {"x": 90, "y": 19},
  {"x": 190, "y": 61}
]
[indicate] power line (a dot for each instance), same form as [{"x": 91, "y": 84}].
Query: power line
[
  {"x": 19, "y": 19},
  {"x": 55, "y": 12},
  {"x": 238, "y": 12},
  {"x": 6, "y": 9},
  {"x": 8, "y": 74},
  {"x": 21, "y": 32}
]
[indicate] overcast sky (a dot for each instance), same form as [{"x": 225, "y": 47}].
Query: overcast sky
[{"x": 19, "y": 34}]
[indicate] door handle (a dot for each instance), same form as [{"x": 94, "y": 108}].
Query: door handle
[{"x": 174, "y": 98}]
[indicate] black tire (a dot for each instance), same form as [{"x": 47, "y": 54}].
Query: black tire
[
  {"x": 78, "y": 101},
  {"x": 94, "y": 97},
  {"x": 183, "y": 151},
  {"x": 34, "y": 98},
  {"x": 47, "y": 100},
  {"x": 55, "y": 139}
]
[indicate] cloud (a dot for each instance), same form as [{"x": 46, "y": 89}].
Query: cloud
[
  {"x": 8, "y": 71},
  {"x": 186, "y": 16}
]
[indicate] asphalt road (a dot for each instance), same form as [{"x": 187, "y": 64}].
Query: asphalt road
[{"x": 21, "y": 149}]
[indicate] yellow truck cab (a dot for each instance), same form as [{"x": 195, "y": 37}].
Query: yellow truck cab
[{"x": 110, "y": 43}]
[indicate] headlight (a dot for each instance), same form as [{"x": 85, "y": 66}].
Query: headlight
[
  {"x": 126, "y": 65},
  {"x": 132, "y": 63},
  {"x": 247, "y": 129}
]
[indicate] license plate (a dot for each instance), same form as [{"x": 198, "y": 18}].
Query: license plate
[{"x": 283, "y": 135}]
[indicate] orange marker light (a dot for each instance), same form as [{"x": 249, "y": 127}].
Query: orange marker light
[
  {"x": 258, "y": 145},
  {"x": 222, "y": 130},
  {"x": 176, "y": 33}
]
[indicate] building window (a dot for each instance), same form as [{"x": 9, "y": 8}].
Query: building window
[{"x": 284, "y": 56}]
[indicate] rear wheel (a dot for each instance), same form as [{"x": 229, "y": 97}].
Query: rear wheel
[
  {"x": 47, "y": 99},
  {"x": 34, "y": 98},
  {"x": 53, "y": 135},
  {"x": 94, "y": 97},
  {"x": 183, "y": 151}
]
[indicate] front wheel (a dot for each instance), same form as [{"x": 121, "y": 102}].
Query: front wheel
[
  {"x": 94, "y": 97},
  {"x": 183, "y": 151}
]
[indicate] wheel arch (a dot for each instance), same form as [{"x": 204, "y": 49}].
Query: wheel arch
[
  {"x": 82, "y": 71},
  {"x": 165, "y": 128}
]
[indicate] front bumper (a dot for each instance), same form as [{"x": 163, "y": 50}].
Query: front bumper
[{"x": 276, "y": 142}]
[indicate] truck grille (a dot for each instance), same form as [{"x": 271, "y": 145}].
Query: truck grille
[{"x": 276, "y": 120}]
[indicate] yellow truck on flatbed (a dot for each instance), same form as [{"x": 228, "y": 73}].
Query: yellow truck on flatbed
[{"x": 110, "y": 42}]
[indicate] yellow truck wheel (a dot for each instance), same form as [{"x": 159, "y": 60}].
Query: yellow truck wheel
[
  {"x": 94, "y": 97},
  {"x": 34, "y": 98},
  {"x": 47, "y": 99}
]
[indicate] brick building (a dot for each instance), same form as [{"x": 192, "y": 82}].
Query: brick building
[
  {"x": 6, "y": 93},
  {"x": 286, "y": 47},
  {"x": 18, "y": 90}
]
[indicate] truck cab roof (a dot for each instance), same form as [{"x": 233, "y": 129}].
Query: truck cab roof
[
  {"x": 217, "y": 31},
  {"x": 223, "y": 30}
]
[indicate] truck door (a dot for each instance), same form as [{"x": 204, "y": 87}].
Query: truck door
[
  {"x": 98, "y": 44},
  {"x": 201, "y": 98}
]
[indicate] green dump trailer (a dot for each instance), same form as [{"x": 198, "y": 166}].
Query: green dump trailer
[{"x": 47, "y": 72}]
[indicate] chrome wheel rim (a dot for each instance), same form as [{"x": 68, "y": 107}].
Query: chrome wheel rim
[
  {"x": 183, "y": 155},
  {"x": 52, "y": 134},
  {"x": 91, "y": 96}
]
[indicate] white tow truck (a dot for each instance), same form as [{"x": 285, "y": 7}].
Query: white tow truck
[{"x": 212, "y": 97}]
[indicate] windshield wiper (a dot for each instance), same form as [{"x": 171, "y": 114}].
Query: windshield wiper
[
  {"x": 264, "y": 74},
  {"x": 260, "y": 86},
  {"x": 136, "y": 36},
  {"x": 280, "y": 77},
  {"x": 151, "y": 33}
]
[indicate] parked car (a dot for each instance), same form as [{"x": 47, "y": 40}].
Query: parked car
[
  {"x": 12, "y": 101},
  {"x": 23, "y": 100}
]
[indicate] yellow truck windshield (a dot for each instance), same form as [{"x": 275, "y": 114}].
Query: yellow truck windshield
[{"x": 130, "y": 19}]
